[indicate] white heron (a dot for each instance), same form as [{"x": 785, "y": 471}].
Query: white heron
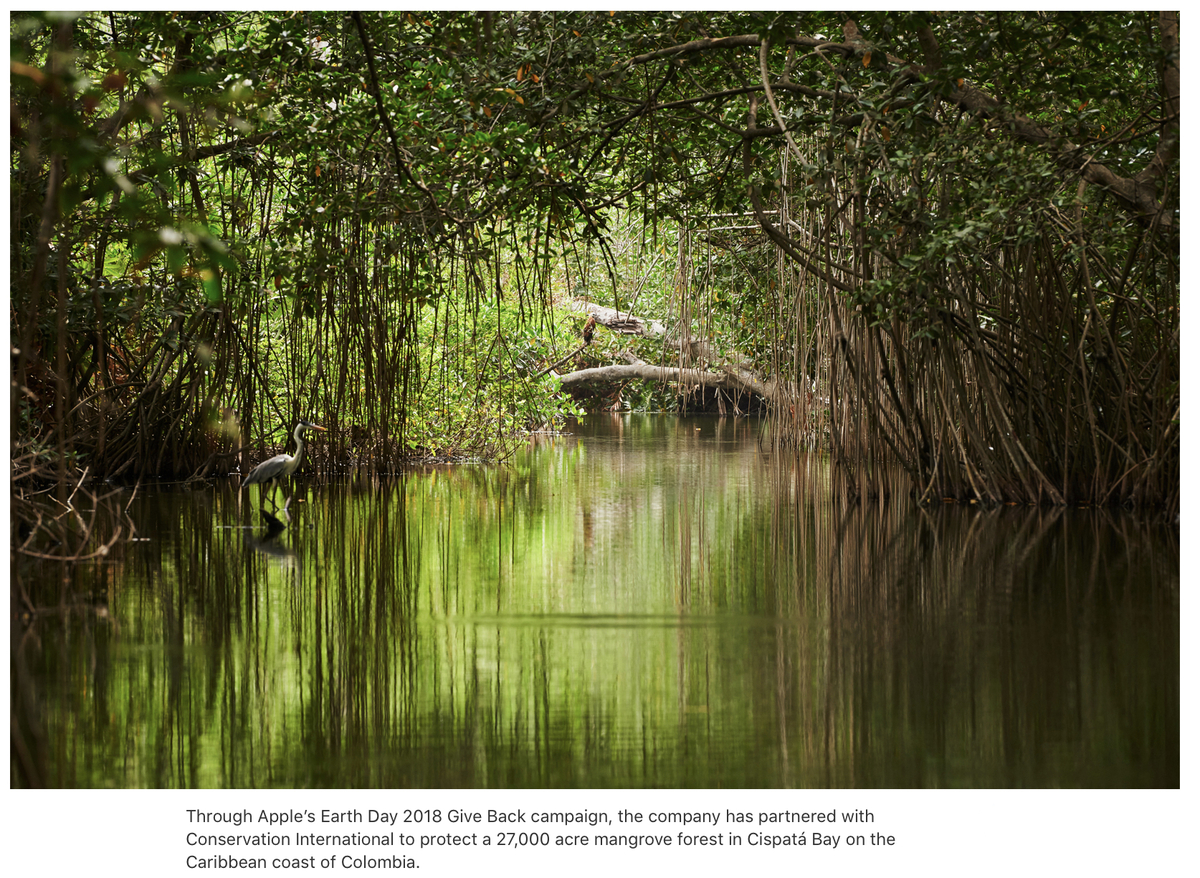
[{"x": 279, "y": 467}]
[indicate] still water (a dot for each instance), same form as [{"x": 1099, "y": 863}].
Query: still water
[{"x": 649, "y": 601}]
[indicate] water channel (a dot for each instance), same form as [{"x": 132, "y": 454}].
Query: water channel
[{"x": 647, "y": 601}]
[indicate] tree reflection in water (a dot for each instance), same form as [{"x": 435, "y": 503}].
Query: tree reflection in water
[{"x": 637, "y": 604}]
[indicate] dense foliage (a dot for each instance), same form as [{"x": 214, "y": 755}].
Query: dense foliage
[{"x": 948, "y": 240}]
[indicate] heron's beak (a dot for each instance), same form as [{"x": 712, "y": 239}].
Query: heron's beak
[{"x": 315, "y": 427}]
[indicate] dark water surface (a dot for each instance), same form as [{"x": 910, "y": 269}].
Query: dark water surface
[{"x": 649, "y": 602}]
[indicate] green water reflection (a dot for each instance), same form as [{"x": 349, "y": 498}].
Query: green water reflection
[{"x": 648, "y": 602}]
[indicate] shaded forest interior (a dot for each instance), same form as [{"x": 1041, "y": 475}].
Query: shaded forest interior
[{"x": 947, "y": 242}]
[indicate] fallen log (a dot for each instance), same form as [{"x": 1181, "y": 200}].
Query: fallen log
[
  {"x": 693, "y": 350},
  {"x": 733, "y": 380},
  {"x": 621, "y": 322},
  {"x": 729, "y": 377},
  {"x": 644, "y": 372}
]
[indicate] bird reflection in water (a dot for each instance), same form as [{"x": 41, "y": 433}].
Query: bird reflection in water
[
  {"x": 269, "y": 543},
  {"x": 277, "y": 524}
]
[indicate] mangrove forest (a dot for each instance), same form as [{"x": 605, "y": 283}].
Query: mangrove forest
[
  {"x": 588, "y": 399},
  {"x": 945, "y": 242}
]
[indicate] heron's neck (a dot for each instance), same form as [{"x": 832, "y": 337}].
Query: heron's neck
[{"x": 299, "y": 437}]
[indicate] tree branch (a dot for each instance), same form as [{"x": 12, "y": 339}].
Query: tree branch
[
  {"x": 401, "y": 165},
  {"x": 1135, "y": 194}
]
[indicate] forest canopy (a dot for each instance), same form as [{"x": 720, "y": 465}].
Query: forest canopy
[{"x": 947, "y": 242}]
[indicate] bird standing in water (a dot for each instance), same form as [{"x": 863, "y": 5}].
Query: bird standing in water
[{"x": 279, "y": 467}]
